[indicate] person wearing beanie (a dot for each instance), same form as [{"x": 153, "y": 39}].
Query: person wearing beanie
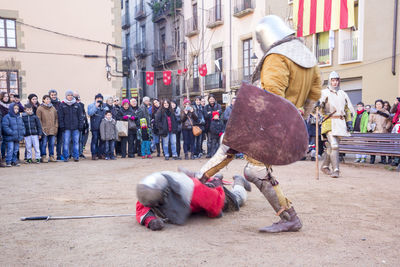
[
  {"x": 216, "y": 130},
  {"x": 13, "y": 132},
  {"x": 33, "y": 100},
  {"x": 71, "y": 122},
  {"x": 33, "y": 132},
  {"x": 209, "y": 109},
  {"x": 96, "y": 112},
  {"x": 126, "y": 113},
  {"x": 189, "y": 119},
  {"x": 143, "y": 111},
  {"x": 144, "y": 136}
]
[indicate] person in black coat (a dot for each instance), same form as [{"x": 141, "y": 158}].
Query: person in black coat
[
  {"x": 70, "y": 119},
  {"x": 167, "y": 125},
  {"x": 201, "y": 122},
  {"x": 209, "y": 109},
  {"x": 13, "y": 133},
  {"x": 216, "y": 130},
  {"x": 156, "y": 137},
  {"x": 126, "y": 113},
  {"x": 96, "y": 112},
  {"x": 56, "y": 104},
  {"x": 33, "y": 132}
]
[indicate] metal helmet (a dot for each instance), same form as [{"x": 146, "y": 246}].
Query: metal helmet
[
  {"x": 150, "y": 190},
  {"x": 271, "y": 29},
  {"x": 333, "y": 75}
]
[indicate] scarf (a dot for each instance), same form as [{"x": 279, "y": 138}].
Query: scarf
[
  {"x": 6, "y": 105},
  {"x": 47, "y": 105},
  {"x": 360, "y": 112},
  {"x": 70, "y": 103}
]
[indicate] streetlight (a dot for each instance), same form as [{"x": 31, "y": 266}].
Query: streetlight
[{"x": 254, "y": 60}]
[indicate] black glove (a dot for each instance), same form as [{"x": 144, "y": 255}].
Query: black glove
[
  {"x": 350, "y": 126},
  {"x": 318, "y": 104},
  {"x": 156, "y": 224}
]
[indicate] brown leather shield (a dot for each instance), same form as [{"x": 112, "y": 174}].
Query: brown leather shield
[{"x": 266, "y": 127}]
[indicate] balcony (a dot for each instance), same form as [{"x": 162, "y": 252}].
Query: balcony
[
  {"x": 239, "y": 75},
  {"x": 350, "y": 50},
  {"x": 140, "y": 11},
  {"x": 215, "y": 16},
  {"x": 214, "y": 81},
  {"x": 125, "y": 21},
  {"x": 191, "y": 27},
  {"x": 139, "y": 49},
  {"x": 242, "y": 8},
  {"x": 161, "y": 9},
  {"x": 323, "y": 56},
  {"x": 164, "y": 56}
]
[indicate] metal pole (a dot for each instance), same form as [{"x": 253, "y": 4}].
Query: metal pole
[
  {"x": 46, "y": 218},
  {"x": 202, "y": 41},
  {"x": 317, "y": 141},
  {"x": 396, "y": 2}
]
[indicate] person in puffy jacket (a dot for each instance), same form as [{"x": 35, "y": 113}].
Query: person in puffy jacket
[
  {"x": 96, "y": 112},
  {"x": 126, "y": 113},
  {"x": 216, "y": 130},
  {"x": 33, "y": 132},
  {"x": 70, "y": 118},
  {"x": 14, "y": 131},
  {"x": 189, "y": 119},
  {"x": 108, "y": 134}
]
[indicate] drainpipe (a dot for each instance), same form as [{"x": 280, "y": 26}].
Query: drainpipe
[
  {"x": 229, "y": 76},
  {"x": 202, "y": 37},
  {"x": 396, "y": 2}
]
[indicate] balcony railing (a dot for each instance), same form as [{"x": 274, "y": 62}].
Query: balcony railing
[
  {"x": 239, "y": 75},
  {"x": 140, "y": 10},
  {"x": 192, "y": 27},
  {"x": 243, "y": 7},
  {"x": 214, "y": 81},
  {"x": 125, "y": 21},
  {"x": 163, "y": 56},
  {"x": 140, "y": 49},
  {"x": 350, "y": 50},
  {"x": 215, "y": 16},
  {"x": 323, "y": 56}
]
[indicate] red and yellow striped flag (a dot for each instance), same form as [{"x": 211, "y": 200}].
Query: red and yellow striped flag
[{"x": 312, "y": 16}]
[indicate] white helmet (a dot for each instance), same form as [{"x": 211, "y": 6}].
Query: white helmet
[
  {"x": 333, "y": 75},
  {"x": 271, "y": 29},
  {"x": 150, "y": 190}
]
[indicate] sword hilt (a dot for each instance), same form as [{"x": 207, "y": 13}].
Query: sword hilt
[{"x": 37, "y": 218}]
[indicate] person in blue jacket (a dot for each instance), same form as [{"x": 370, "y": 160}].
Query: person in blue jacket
[{"x": 14, "y": 131}]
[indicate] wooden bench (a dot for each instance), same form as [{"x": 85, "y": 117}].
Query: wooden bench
[{"x": 371, "y": 144}]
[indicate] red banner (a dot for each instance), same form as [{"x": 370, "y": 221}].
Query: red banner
[
  {"x": 149, "y": 77},
  {"x": 167, "y": 77},
  {"x": 203, "y": 70}
]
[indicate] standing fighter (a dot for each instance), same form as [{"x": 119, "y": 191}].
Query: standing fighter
[
  {"x": 288, "y": 69},
  {"x": 336, "y": 106}
]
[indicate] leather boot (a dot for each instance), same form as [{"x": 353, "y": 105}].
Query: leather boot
[
  {"x": 186, "y": 156},
  {"x": 2, "y": 164},
  {"x": 44, "y": 159},
  {"x": 372, "y": 160},
  {"x": 292, "y": 225}
]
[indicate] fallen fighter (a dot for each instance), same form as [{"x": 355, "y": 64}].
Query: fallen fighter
[{"x": 172, "y": 196}]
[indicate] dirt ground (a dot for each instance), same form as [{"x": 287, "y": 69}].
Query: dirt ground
[{"x": 351, "y": 221}]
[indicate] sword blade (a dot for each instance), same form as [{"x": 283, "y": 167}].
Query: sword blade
[{"x": 73, "y": 217}]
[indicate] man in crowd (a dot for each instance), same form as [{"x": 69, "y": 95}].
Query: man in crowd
[
  {"x": 70, "y": 117},
  {"x": 84, "y": 134},
  {"x": 59, "y": 138},
  {"x": 209, "y": 109},
  {"x": 338, "y": 111},
  {"x": 96, "y": 112}
]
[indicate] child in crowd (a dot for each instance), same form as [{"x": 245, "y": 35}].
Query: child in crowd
[
  {"x": 33, "y": 132},
  {"x": 109, "y": 133},
  {"x": 360, "y": 125},
  {"x": 13, "y": 133},
  {"x": 144, "y": 136},
  {"x": 216, "y": 130}
]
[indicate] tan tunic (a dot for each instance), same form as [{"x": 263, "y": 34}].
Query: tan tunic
[{"x": 283, "y": 77}]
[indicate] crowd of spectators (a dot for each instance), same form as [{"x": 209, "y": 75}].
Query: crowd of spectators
[{"x": 58, "y": 130}]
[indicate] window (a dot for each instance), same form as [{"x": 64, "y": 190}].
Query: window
[
  {"x": 218, "y": 11},
  {"x": 218, "y": 59},
  {"x": 7, "y": 33},
  {"x": 322, "y": 51},
  {"x": 195, "y": 68},
  {"x": 195, "y": 16},
  {"x": 143, "y": 36},
  {"x": 247, "y": 51},
  {"x": 177, "y": 39},
  {"x": 350, "y": 40},
  {"x": 9, "y": 81}
]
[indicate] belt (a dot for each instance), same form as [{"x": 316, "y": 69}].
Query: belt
[{"x": 340, "y": 117}]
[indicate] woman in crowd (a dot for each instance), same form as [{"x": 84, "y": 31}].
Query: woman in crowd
[
  {"x": 156, "y": 136},
  {"x": 189, "y": 119},
  {"x": 167, "y": 125},
  {"x": 33, "y": 100},
  {"x": 134, "y": 105},
  {"x": 209, "y": 109},
  {"x": 4, "y": 106},
  {"x": 126, "y": 113},
  {"x": 379, "y": 122},
  {"x": 177, "y": 111}
]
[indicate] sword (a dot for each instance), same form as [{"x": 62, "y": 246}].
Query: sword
[
  {"x": 49, "y": 217},
  {"x": 330, "y": 115}
]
